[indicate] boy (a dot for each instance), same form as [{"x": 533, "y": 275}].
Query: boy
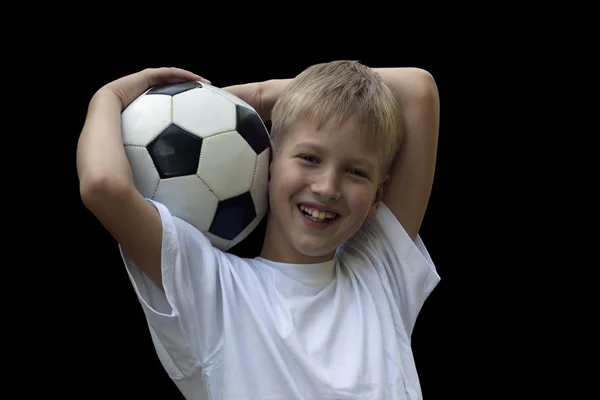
[{"x": 327, "y": 309}]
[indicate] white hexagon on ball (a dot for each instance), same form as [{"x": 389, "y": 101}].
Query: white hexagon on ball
[
  {"x": 203, "y": 112},
  {"x": 259, "y": 191},
  {"x": 231, "y": 97},
  {"x": 145, "y": 118},
  {"x": 189, "y": 199},
  {"x": 231, "y": 175},
  {"x": 145, "y": 175}
]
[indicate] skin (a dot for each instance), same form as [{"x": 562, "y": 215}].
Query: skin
[
  {"x": 327, "y": 168},
  {"x": 108, "y": 191},
  {"x": 105, "y": 179},
  {"x": 406, "y": 193}
]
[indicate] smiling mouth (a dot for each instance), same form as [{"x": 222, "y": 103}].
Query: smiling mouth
[{"x": 316, "y": 215}]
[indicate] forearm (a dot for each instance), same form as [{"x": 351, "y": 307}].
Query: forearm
[
  {"x": 260, "y": 95},
  {"x": 412, "y": 172},
  {"x": 403, "y": 82},
  {"x": 101, "y": 159},
  {"x": 269, "y": 93},
  {"x": 407, "y": 84},
  {"x": 416, "y": 93}
]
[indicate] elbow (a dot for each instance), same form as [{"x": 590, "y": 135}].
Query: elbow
[
  {"x": 94, "y": 190},
  {"x": 425, "y": 95},
  {"x": 424, "y": 86}
]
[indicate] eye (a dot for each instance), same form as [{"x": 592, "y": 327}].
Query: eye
[
  {"x": 309, "y": 159},
  {"x": 357, "y": 172}
]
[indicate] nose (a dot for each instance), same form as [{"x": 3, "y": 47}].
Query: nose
[{"x": 326, "y": 185}]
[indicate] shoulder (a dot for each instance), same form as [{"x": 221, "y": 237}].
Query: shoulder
[
  {"x": 188, "y": 259},
  {"x": 383, "y": 233},
  {"x": 387, "y": 259},
  {"x": 180, "y": 237},
  {"x": 190, "y": 252},
  {"x": 185, "y": 314},
  {"x": 385, "y": 244}
]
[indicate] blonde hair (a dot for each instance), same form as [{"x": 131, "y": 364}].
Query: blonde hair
[{"x": 335, "y": 92}]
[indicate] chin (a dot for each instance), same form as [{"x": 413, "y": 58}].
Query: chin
[{"x": 311, "y": 249}]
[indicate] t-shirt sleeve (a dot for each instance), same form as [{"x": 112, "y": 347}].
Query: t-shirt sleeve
[
  {"x": 403, "y": 263},
  {"x": 183, "y": 318}
]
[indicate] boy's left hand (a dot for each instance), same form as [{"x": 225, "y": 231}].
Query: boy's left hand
[{"x": 129, "y": 87}]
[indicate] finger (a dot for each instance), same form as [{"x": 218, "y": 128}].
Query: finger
[
  {"x": 159, "y": 76},
  {"x": 129, "y": 87}
]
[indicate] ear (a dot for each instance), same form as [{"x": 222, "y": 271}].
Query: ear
[
  {"x": 378, "y": 197},
  {"x": 271, "y": 158}
]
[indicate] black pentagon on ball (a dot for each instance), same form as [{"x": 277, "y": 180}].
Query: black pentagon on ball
[
  {"x": 176, "y": 88},
  {"x": 175, "y": 152},
  {"x": 233, "y": 216},
  {"x": 251, "y": 128}
]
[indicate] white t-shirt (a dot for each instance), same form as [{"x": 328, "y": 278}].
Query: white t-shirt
[{"x": 229, "y": 328}]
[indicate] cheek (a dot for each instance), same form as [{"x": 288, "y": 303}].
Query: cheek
[
  {"x": 360, "y": 199},
  {"x": 285, "y": 180},
  {"x": 288, "y": 175}
]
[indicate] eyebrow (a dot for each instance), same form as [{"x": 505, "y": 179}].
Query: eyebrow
[{"x": 318, "y": 148}]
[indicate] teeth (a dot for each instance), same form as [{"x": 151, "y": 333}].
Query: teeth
[{"x": 316, "y": 213}]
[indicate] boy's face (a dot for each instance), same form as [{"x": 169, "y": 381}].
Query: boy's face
[{"x": 323, "y": 186}]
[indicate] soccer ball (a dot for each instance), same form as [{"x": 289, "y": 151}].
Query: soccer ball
[{"x": 203, "y": 153}]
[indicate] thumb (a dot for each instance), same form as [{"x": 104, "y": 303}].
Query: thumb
[{"x": 129, "y": 87}]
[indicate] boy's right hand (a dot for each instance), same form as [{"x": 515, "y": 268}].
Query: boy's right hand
[{"x": 129, "y": 87}]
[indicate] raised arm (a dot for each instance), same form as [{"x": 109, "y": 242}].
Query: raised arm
[
  {"x": 260, "y": 95},
  {"x": 408, "y": 189},
  {"x": 105, "y": 177}
]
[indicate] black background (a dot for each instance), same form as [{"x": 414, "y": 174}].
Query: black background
[{"x": 99, "y": 331}]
